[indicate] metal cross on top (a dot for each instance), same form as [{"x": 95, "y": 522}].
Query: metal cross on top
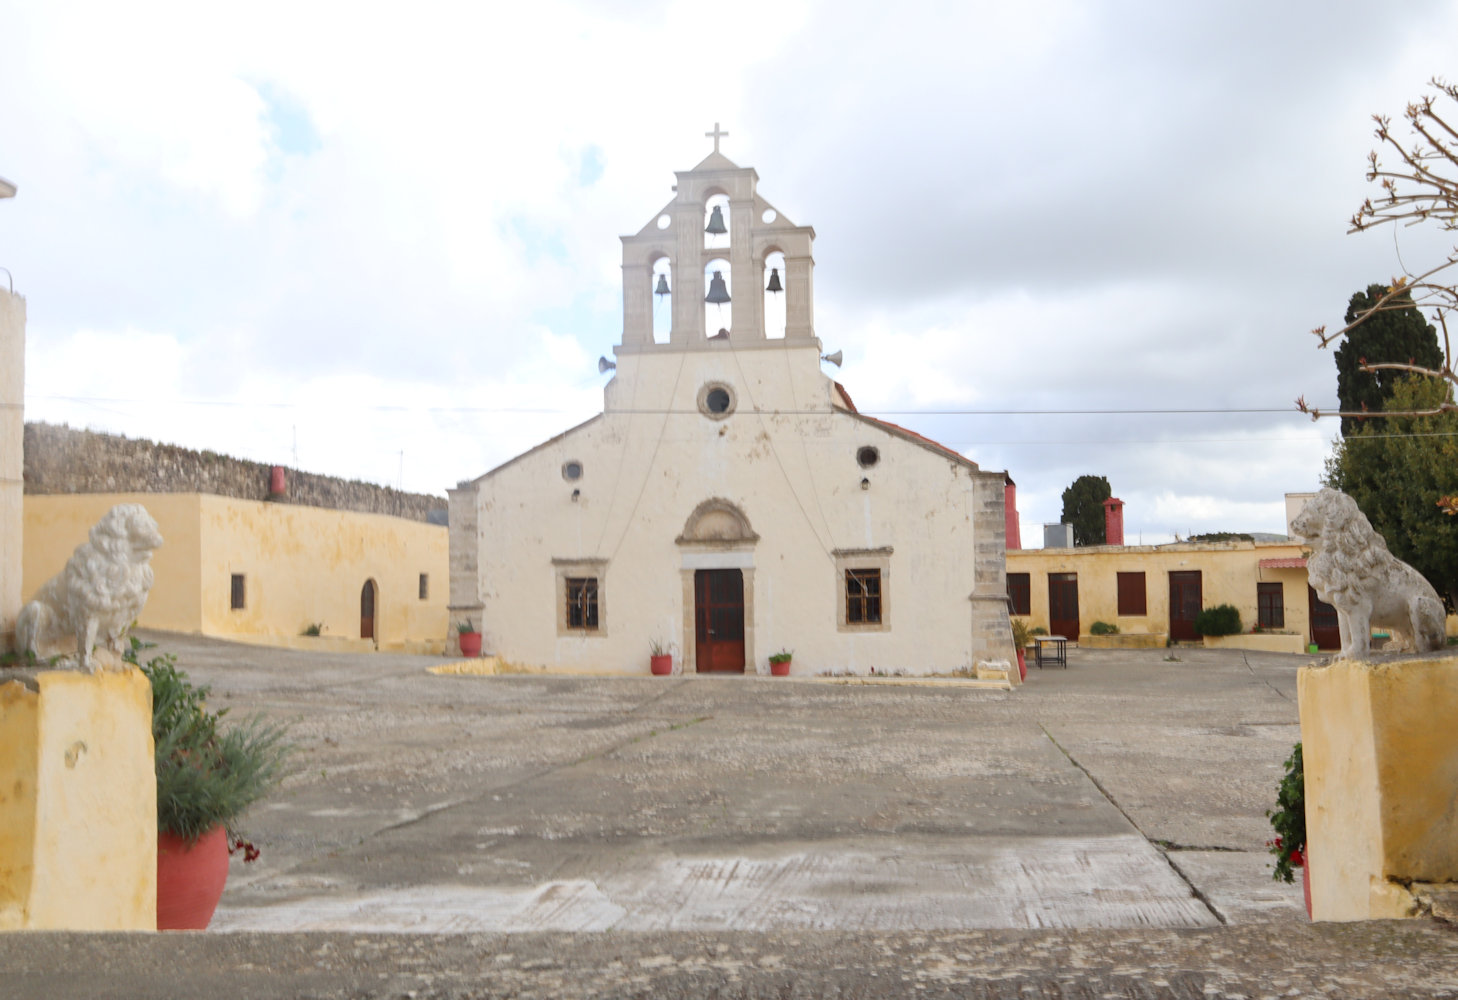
[{"x": 716, "y": 135}]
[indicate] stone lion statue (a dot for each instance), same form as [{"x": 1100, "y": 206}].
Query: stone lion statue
[
  {"x": 100, "y": 592},
  {"x": 1351, "y": 569}
]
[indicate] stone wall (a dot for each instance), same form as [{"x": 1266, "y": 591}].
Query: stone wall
[{"x": 60, "y": 459}]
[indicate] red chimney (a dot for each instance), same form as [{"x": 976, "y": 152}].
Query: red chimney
[
  {"x": 1010, "y": 511},
  {"x": 1113, "y": 521}
]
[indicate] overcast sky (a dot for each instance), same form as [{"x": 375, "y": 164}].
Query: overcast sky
[{"x": 381, "y": 241}]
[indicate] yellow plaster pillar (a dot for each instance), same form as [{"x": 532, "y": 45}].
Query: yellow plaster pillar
[
  {"x": 78, "y": 803},
  {"x": 1381, "y": 761}
]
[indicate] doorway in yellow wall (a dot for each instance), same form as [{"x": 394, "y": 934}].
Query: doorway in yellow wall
[{"x": 367, "y": 596}]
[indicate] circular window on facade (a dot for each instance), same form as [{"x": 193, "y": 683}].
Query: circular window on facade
[
  {"x": 868, "y": 457},
  {"x": 571, "y": 471},
  {"x": 716, "y": 400}
]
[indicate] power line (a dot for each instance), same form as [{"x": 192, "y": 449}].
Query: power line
[{"x": 508, "y": 410}]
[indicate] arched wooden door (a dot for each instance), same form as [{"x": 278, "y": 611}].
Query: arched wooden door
[{"x": 367, "y": 596}]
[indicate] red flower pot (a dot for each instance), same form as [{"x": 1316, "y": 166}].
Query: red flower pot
[
  {"x": 470, "y": 643},
  {"x": 780, "y": 669},
  {"x": 661, "y": 666},
  {"x": 190, "y": 879}
]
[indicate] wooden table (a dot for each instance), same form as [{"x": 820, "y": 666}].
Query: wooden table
[{"x": 1059, "y": 653}]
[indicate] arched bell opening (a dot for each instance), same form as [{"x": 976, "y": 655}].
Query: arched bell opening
[
  {"x": 718, "y": 307},
  {"x": 661, "y": 280},
  {"x": 716, "y": 222},
  {"x": 774, "y": 295}
]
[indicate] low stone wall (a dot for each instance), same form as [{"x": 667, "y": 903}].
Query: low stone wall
[
  {"x": 1124, "y": 640},
  {"x": 61, "y": 459},
  {"x": 1268, "y": 642}
]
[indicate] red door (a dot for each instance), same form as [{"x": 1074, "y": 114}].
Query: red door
[
  {"x": 1063, "y": 605},
  {"x": 1325, "y": 631},
  {"x": 1184, "y": 605},
  {"x": 719, "y": 620},
  {"x": 367, "y": 610}
]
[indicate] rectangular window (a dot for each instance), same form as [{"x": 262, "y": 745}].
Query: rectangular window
[
  {"x": 582, "y": 602},
  {"x": 1020, "y": 591},
  {"x": 1270, "y": 605},
  {"x": 424, "y": 585},
  {"x": 237, "y": 596},
  {"x": 862, "y": 596},
  {"x": 1131, "y": 594}
]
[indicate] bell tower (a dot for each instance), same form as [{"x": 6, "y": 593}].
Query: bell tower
[{"x": 676, "y": 235}]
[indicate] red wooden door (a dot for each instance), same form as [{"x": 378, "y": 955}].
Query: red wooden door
[
  {"x": 1325, "y": 631},
  {"x": 719, "y": 620},
  {"x": 367, "y": 610},
  {"x": 1185, "y": 598},
  {"x": 1063, "y": 605}
]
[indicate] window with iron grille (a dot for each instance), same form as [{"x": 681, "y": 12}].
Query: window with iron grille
[
  {"x": 862, "y": 596},
  {"x": 1131, "y": 594},
  {"x": 236, "y": 598},
  {"x": 1020, "y": 590},
  {"x": 582, "y": 602},
  {"x": 1270, "y": 605}
]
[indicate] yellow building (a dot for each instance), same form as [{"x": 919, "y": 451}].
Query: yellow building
[
  {"x": 265, "y": 572},
  {"x": 1152, "y": 593}
]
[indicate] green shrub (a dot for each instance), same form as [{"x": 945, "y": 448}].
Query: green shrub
[
  {"x": 1289, "y": 819},
  {"x": 1222, "y": 619},
  {"x": 1039, "y": 630},
  {"x": 206, "y": 774},
  {"x": 1103, "y": 628}
]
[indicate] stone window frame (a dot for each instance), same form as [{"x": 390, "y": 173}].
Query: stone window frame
[
  {"x": 566, "y": 569},
  {"x": 864, "y": 559}
]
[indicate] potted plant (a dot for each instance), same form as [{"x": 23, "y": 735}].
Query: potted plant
[
  {"x": 1289, "y": 821},
  {"x": 660, "y": 658},
  {"x": 1022, "y": 638},
  {"x": 207, "y": 777},
  {"x": 469, "y": 638},
  {"x": 780, "y": 663}
]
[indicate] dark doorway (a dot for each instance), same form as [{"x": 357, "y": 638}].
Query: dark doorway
[
  {"x": 367, "y": 610},
  {"x": 1325, "y": 631},
  {"x": 719, "y": 620},
  {"x": 1063, "y": 605},
  {"x": 1184, "y": 605}
]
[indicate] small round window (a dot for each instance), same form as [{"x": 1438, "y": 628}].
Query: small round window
[
  {"x": 716, "y": 400},
  {"x": 868, "y": 457},
  {"x": 572, "y": 471}
]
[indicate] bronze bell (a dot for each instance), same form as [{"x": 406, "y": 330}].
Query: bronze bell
[
  {"x": 716, "y": 222},
  {"x": 718, "y": 294},
  {"x": 774, "y": 282},
  {"x": 662, "y": 288}
]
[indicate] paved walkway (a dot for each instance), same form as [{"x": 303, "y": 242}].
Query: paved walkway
[{"x": 1098, "y": 832}]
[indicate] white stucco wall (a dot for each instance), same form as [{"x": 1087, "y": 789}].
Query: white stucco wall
[{"x": 787, "y": 460}]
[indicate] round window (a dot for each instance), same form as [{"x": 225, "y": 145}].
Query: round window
[
  {"x": 868, "y": 457},
  {"x": 716, "y": 400},
  {"x": 572, "y": 471}
]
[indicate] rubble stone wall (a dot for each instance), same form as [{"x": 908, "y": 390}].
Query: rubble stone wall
[{"x": 61, "y": 459}]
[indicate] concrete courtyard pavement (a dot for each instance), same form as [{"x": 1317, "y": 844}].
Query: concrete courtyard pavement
[
  {"x": 1099, "y": 832},
  {"x": 1127, "y": 791}
]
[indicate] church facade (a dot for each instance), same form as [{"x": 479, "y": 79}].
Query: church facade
[{"x": 730, "y": 503}]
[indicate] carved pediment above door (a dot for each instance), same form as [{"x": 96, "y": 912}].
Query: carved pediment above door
[{"x": 717, "y": 522}]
